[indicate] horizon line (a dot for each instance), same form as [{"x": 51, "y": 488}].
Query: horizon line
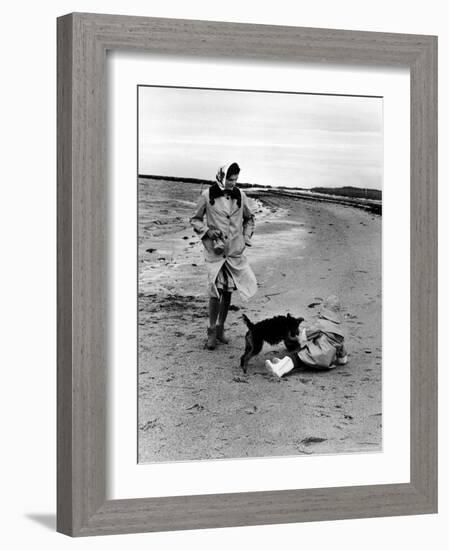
[{"x": 205, "y": 180}]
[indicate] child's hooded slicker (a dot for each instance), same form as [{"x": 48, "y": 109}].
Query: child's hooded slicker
[{"x": 322, "y": 345}]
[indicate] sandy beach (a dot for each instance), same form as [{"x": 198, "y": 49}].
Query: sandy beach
[{"x": 197, "y": 404}]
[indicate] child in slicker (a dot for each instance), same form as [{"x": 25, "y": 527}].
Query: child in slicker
[
  {"x": 320, "y": 346},
  {"x": 225, "y": 223}
]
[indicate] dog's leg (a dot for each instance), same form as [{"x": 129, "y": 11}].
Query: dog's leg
[
  {"x": 257, "y": 345},
  {"x": 248, "y": 351},
  {"x": 253, "y": 347}
]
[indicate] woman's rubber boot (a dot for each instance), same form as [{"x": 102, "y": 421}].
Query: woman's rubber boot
[
  {"x": 221, "y": 336},
  {"x": 211, "y": 338}
]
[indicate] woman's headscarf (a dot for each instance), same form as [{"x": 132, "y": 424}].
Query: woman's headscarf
[
  {"x": 221, "y": 175},
  {"x": 217, "y": 189}
]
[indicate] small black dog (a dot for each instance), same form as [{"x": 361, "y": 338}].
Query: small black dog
[{"x": 272, "y": 331}]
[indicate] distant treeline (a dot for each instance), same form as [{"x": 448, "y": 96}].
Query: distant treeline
[
  {"x": 346, "y": 191},
  {"x": 174, "y": 178},
  {"x": 357, "y": 192},
  {"x": 198, "y": 180}
]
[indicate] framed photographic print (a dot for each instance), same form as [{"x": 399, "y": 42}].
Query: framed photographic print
[{"x": 246, "y": 274}]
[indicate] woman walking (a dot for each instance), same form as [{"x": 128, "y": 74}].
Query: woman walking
[{"x": 224, "y": 222}]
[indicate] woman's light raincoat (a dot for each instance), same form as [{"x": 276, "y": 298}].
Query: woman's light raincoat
[{"x": 236, "y": 223}]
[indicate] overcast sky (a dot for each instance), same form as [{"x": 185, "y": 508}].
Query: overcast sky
[{"x": 295, "y": 140}]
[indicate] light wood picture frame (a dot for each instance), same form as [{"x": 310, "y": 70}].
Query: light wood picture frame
[{"x": 83, "y": 40}]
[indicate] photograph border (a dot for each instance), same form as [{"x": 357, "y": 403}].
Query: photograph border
[{"x": 82, "y": 306}]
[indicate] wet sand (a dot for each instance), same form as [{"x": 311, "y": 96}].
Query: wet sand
[{"x": 197, "y": 404}]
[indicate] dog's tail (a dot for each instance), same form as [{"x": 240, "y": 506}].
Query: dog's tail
[{"x": 249, "y": 324}]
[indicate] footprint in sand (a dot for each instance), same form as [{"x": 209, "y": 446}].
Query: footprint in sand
[
  {"x": 149, "y": 425},
  {"x": 240, "y": 380},
  {"x": 312, "y": 440}
]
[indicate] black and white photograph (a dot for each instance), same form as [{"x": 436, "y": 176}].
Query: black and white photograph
[{"x": 259, "y": 274}]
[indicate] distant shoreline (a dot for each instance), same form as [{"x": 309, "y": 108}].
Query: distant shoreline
[{"x": 358, "y": 197}]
